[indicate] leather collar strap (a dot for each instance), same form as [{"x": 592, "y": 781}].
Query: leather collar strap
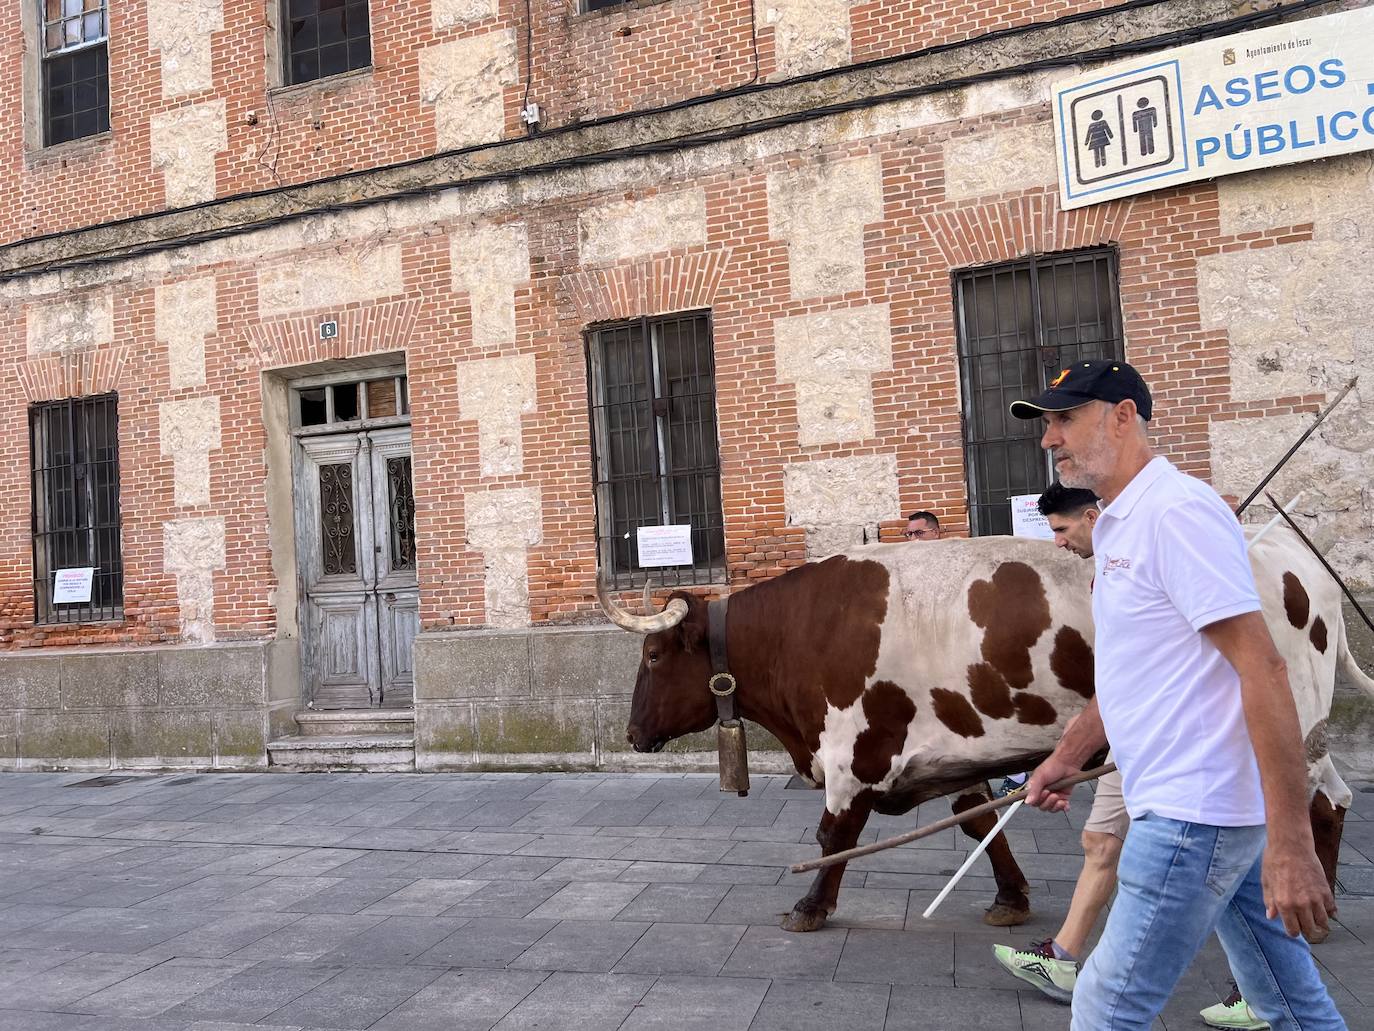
[{"x": 722, "y": 684}]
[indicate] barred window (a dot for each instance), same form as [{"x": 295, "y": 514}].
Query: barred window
[
  {"x": 656, "y": 461},
  {"x": 325, "y": 37},
  {"x": 74, "y": 458},
  {"x": 1019, "y": 323},
  {"x": 76, "y": 69}
]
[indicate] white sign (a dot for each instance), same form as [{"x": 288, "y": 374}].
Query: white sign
[
  {"x": 1026, "y": 520},
  {"x": 72, "y": 585},
  {"x": 1274, "y": 96},
  {"x": 665, "y": 546}
]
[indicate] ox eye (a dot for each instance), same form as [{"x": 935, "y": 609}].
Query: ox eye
[{"x": 653, "y": 657}]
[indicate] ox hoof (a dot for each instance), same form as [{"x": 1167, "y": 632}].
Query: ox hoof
[
  {"x": 804, "y": 920},
  {"x": 999, "y": 914}
]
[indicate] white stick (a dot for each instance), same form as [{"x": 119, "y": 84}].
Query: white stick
[
  {"x": 1273, "y": 522},
  {"x": 972, "y": 857}
]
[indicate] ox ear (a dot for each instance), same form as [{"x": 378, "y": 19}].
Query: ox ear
[
  {"x": 693, "y": 635},
  {"x": 692, "y": 632}
]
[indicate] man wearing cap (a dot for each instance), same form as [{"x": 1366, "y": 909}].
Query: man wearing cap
[{"x": 1195, "y": 699}]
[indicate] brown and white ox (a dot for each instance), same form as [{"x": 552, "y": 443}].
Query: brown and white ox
[{"x": 895, "y": 674}]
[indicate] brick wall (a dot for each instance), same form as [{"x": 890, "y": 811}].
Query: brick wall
[
  {"x": 743, "y": 270},
  {"x": 580, "y": 67}
]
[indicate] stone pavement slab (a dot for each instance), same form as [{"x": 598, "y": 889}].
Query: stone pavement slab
[
  {"x": 560, "y": 902},
  {"x": 578, "y": 1002}
]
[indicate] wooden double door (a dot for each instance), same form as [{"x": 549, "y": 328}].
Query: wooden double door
[{"x": 356, "y": 548}]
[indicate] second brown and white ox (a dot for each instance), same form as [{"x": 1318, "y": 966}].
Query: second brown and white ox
[{"x": 895, "y": 674}]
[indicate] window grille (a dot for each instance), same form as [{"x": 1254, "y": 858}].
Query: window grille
[
  {"x": 1018, "y": 324},
  {"x": 655, "y": 454},
  {"x": 325, "y": 37},
  {"x": 74, "y": 458},
  {"x": 76, "y": 69}
]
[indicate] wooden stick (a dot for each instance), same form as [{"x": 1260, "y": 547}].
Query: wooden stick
[
  {"x": 1297, "y": 444},
  {"x": 1322, "y": 559},
  {"x": 1275, "y": 521},
  {"x": 946, "y": 823}
]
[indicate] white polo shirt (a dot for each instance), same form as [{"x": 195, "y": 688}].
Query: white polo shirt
[{"x": 1171, "y": 560}]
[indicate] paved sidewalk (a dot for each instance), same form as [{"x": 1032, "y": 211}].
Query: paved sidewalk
[{"x": 227, "y": 902}]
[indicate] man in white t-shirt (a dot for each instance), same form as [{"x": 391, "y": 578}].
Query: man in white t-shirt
[{"x": 1195, "y": 699}]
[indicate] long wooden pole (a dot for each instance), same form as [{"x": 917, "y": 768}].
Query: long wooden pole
[
  {"x": 1322, "y": 559},
  {"x": 1299, "y": 443},
  {"x": 947, "y": 822}
]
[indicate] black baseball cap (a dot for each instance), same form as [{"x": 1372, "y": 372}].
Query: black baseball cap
[{"x": 1082, "y": 382}]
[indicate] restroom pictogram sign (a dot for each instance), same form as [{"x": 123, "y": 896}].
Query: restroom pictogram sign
[{"x": 1123, "y": 128}]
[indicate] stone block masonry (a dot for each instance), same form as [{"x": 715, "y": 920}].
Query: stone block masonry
[
  {"x": 168, "y": 707},
  {"x": 553, "y": 698}
]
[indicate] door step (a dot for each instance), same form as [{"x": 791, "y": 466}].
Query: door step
[
  {"x": 379, "y": 753},
  {"x": 376, "y": 740},
  {"x": 352, "y": 722}
]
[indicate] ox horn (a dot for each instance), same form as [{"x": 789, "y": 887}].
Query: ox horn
[{"x": 671, "y": 616}]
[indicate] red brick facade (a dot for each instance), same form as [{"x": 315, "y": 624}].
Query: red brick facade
[
  {"x": 584, "y": 66},
  {"x": 583, "y": 69},
  {"x": 743, "y": 280}
]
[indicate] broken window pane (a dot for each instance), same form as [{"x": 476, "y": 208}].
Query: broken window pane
[
  {"x": 313, "y": 410},
  {"x": 346, "y": 402},
  {"x": 73, "y": 23}
]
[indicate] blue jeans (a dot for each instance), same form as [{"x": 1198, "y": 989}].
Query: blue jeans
[{"x": 1177, "y": 883}]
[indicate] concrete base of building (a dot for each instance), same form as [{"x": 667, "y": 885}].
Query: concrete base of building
[
  {"x": 171, "y": 707},
  {"x": 553, "y": 698}
]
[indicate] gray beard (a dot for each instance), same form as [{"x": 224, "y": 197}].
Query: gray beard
[{"x": 1084, "y": 480}]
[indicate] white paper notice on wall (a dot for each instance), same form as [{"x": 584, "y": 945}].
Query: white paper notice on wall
[
  {"x": 665, "y": 546},
  {"x": 1292, "y": 92},
  {"x": 70, "y": 586},
  {"x": 1026, "y": 520}
]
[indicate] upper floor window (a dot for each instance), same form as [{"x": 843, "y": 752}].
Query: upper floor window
[
  {"x": 74, "y": 464},
  {"x": 76, "y": 69},
  {"x": 325, "y": 37},
  {"x": 654, "y": 445},
  {"x": 601, "y": 5},
  {"x": 1018, "y": 324}
]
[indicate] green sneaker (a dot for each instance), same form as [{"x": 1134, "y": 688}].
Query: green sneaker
[
  {"x": 1039, "y": 966},
  {"x": 1235, "y": 1012}
]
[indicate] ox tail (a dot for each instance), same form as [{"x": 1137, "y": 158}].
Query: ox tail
[{"x": 1352, "y": 669}]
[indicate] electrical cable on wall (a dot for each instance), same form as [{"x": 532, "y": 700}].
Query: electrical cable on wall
[
  {"x": 271, "y": 143},
  {"x": 529, "y": 64},
  {"x": 754, "y": 37}
]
